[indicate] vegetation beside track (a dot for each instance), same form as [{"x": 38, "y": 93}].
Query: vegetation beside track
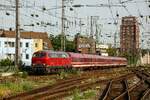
[
  {"x": 36, "y": 81},
  {"x": 12, "y": 85}
]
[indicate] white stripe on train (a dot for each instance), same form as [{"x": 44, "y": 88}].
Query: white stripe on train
[{"x": 98, "y": 65}]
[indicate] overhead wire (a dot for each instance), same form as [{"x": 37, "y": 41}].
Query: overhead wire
[{"x": 38, "y": 8}]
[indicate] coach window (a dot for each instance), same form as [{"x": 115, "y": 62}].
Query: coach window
[{"x": 27, "y": 56}]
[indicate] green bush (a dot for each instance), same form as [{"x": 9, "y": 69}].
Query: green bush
[{"x": 6, "y": 62}]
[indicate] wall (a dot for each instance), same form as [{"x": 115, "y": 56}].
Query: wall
[
  {"x": 37, "y": 44},
  {"x": 145, "y": 59},
  {"x": 7, "y": 49}
]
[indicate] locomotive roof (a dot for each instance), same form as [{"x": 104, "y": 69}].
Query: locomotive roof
[{"x": 51, "y": 51}]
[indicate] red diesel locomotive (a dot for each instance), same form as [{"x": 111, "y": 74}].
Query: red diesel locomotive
[{"x": 49, "y": 61}]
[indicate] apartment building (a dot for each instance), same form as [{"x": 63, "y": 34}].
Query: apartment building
[
  {"x": 129, "y": 35},
  {"x": 27, "y": 48}
]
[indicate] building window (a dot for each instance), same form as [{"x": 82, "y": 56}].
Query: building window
[
  {"x": 5, "y": 44},
  {"x": 27, "y": 44},
  {"x": 27, "y": 56},
  {"x": 9, "y": 44},
  {"x": 20, "y": 44},
  {"x": 36, "y": 44},
  {"x": 13, "y": 44},
  {"x": 21, "y": 56}
]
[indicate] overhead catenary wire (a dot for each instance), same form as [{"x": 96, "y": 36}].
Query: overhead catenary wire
[{"x": 69, "y": 19}]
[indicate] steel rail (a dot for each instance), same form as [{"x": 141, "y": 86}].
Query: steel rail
[
  {"x": 145, "y": 94},
  {"x": 128, "y": 91},
  {"x": 107, "y": 91}
]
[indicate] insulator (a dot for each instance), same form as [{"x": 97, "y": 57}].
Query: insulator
[
  {"x": 10, "y": 29},
  {"x": 7, "y": 13},
  {"x": 141, "y": 16},
  {"x": 48, "y": 24},
  {"x": 117, "y": 15},
  {"x": 32, "y": 15},
  {"x": 37, "y": 15},
  {"x": 71, "y": 9},
  {"x": 44, "y": 8},
  {"x": 37, "y": 23}
]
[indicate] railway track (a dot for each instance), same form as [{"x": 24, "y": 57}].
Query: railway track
[
  {"x": 56, "y": 91},
  {"x": 116, "y": 89},
  {"x": 63, "y": 88},
  {"x": 119, "y": 89},
  {"x": 34, "y": 93}
]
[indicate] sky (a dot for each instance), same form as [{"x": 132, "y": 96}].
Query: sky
[{"x": 45, "y": 16}]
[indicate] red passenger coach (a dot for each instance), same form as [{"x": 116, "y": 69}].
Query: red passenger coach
[
  {"x": 49, "y": 61},
  {"x": 88, "y": 60}
]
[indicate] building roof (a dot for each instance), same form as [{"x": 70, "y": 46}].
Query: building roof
[{"x": 28, "y": 35}]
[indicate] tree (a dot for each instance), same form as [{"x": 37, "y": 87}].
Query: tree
[
  {"x": 132, "y": 58},
  {"x": 70, "y": 46},
  {"x": 112, "y": 51},
  {"x": 57, "y": 43}
]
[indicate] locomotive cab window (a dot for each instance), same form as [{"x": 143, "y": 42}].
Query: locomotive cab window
[
  {"x": 58, "y": 55},
  {"x": 63, "y": 55},
  {"x": 40, "y": 55},
  {"x": 52, "y": 55}
]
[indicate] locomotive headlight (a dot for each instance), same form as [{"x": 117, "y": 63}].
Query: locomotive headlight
[
  {"x": 33, "y": 64},
  {"x": 44, "y": 65}
]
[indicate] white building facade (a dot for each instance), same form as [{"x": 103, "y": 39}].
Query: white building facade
[
  {"x": 7, "y": 49},
  {"x": 102, "y": 49}
]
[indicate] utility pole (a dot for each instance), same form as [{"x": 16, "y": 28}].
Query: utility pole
[
  {"x": 17, "y": 48},
  {"x": 80, "y": 26},
  {"x": 91, "y": 28},
  {"x": 62, "y": 28},
  {"x": 115, "y": 41}
]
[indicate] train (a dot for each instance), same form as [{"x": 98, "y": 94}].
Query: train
[{"x": 53, "y": 61}]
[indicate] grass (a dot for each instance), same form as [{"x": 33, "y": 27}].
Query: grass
[
  {"x": 23, "y": 74},
  {"x": 13, "y": 88},
  {"x": 77, "y": 95},
  {"x": 51, "y": 82},
  {"x": 88, "y": 94},
  {"x": 63, "y": 75}
]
